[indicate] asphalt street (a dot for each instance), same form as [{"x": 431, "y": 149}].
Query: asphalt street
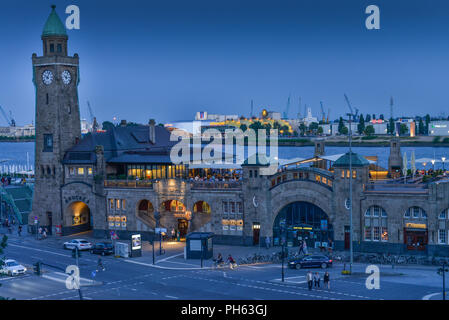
[{"x": 175, "y": 278}]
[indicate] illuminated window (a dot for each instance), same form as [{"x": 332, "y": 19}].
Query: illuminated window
[
  {"x": 72, "y": 170},
  {"x": 317, "y": 178},
  {"x": 347, "y": 174},
  {"x": 111, "y": 204},
  {"x": 354, "y": 174},
  {"x": 367, "y": 233},
  {"x": 117, "y": 204},
  {"x": 384, "y": 234},
  {"x": 441, "y": 236},
  {"x": 80, "y": 171},
  {"x": 89, "y": 171},
  {"x": 376, "y": 234},
  {"x": 342, "y": 173}
]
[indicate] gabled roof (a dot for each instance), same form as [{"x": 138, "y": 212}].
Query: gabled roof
[
  {"x": 54, "y": 25},
  {"x": 123, "y": 144},
  {"x": 356, "y": 160}
]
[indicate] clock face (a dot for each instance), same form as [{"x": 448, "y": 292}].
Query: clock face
[
  {"x": 47, "y": 77},
  {"x": 66, "y": 77}
]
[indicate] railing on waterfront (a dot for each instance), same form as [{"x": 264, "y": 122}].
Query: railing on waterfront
[
  {"x": 128, "y": 183},
  {"x": 209, "y": 185},
  {"x": 397, "y": 188}
]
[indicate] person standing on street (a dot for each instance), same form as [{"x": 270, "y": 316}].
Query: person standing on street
[
  {"x": 316, "y": 280},
  {"x": 300, "y": 247},
  {"x": 19, "y": 230},
  {"x": 309, "y": 278},
  {"x": 326, "y": 280},
  {"x": 304, "y": 247},
  {"x": 44, "y": 234}
]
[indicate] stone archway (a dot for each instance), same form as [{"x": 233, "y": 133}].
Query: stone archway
[
  {"x": 77, "y": 218},
  {"x": 145, "y": 212},
  {"x": 174, "y": 216},
  {"x": 301, "y": 221},
  {"x": 201, "y": 215}
]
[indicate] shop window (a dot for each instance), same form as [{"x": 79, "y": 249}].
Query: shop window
[
  {"x": 89, "y": 171},
  {"x": 317, "y": 178},
  {"x": 81, "y": 171}
]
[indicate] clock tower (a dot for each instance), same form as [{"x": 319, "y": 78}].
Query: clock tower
[{"x": 55, "y": 78}]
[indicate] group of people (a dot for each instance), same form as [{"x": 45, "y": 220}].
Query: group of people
[
  {"x": 313, "y": 280},
  {"x": 219, "y": 261},
  {"x": 215, "y": 179},
  {"x": 42, "y": 233},
  {"x": 6, "y": 181}
]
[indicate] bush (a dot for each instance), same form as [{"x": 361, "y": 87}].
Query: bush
[{"x": 436, "y": 139}]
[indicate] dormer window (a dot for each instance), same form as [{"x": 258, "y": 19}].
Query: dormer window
[
  {"x": 52, "y": 47},
  {"x": 59, "y": 47}
]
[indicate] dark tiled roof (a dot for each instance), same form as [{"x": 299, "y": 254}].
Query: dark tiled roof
[
  {"x": 122, "y": 144},
  {"x": 356, "y": 159}
]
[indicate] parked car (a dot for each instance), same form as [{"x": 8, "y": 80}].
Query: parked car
[
  {"x": 309, "y": 261},
  {"x": 103, "y": 248},
  {"x": 12, "y": 268},
  {"x": 81, "y": 244}
]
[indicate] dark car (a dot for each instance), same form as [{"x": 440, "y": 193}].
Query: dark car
[
  {"x": 103, "y": 248},
  {"x": 310, "y": 261}
]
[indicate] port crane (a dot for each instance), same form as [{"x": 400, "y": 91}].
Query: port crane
[
  {"x": 92, "y": 118},
  {"x": 287, "y": 108},
  {"x": 354, "y": 116},
  {"x": 322, "y": 112},
  {"x": 9, "y": 119}
]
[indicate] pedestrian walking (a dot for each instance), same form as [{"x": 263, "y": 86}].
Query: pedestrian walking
[
  {"x": 304, "y": 247},
  {"x": 44, "y": 234},
  {"x": 172, "y": 233},
  {"x": 326, "y": 280},
  {"x": 316, "y": 280},
  {"x": 267, "y": 242},
  {"x": 232, "y": 263},
  {"x": 100, "y": 265},
  {"x": 19, "y": 230},
  {"x": 300, "y": 247},
  {"x": 309, "y": 278}
]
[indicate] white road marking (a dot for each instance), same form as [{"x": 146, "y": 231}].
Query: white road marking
[
  {"x": 168, "y": 268},
  {"x": 171, "y": 297},
  {"x": 427, "y": 297},
  {"x": 176, "y": 255},
  {"x": 35, "y": 249}
]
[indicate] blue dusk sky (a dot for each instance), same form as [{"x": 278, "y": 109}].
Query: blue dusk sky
[{"x": 169, "y": 59}]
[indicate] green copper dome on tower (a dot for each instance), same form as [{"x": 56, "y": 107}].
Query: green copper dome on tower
[{"x": 54, "y": 25}]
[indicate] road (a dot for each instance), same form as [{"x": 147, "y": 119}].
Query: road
[{"x": 174, "y": 278}]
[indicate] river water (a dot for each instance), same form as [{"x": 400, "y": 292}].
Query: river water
[{"x": 15, "y": 153}]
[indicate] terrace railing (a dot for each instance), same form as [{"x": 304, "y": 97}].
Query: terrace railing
[
  {"x": 220, "y": 185},
  {"x": 128, "y": 184},
  {"x": 403, "y": 188}
]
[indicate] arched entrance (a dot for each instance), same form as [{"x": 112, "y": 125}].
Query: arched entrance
[
  {"x": 174, "y": 216},
  {"x": 302, "y": 221},
  {"x": 78, "y": 217},
  {"x": 145, "y": 211},
  {"x": 201, "y": 215}
]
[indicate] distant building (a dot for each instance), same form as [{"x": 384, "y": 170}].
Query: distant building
[
  {"x": 17, "y": 132},
  {"x": 309, "y": 118},
  {"x": 439, "y": 128},
  {"x": 203, "y": 116},
  {"x": 85, "y": 126}
]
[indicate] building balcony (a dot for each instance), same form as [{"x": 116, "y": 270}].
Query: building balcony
[
  {"x": 216, "y": 185},
  {"x": 396, "y": 188},
  {"x": 128, "y": 184}
]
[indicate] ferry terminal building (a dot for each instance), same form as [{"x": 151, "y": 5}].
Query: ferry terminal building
[{"x": 123, "y": 180}]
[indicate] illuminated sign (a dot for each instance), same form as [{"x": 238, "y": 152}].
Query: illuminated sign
[
  {"x": 136, "y": 242},
  {"x": 416, "y": 225}
]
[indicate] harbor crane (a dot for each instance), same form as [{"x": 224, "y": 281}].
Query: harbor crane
[
  {"x": 287, "y": 108},
  {"x": 92, "y": 118},
  {"x": 9, "y": 119},
  {"x": 328, "y": 112},
  {"x": 322, "y": 112},
  {"x": 354, "y": 115}
]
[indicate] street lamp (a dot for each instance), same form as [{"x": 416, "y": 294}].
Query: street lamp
[
  {"x": 157, "y": 216},
  {"x": 433, "y": 164},
  {"x": 443, "y": 159}
]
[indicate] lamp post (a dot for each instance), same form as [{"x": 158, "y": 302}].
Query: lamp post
[
  {"x": 433, "y": 164},
  {"x": 350, "y": 195},
  {"x": 443, "y": 159},
  {"x": 157, "y": 216}
]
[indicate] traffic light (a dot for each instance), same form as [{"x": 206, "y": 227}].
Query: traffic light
[{"x": 37, "y": 268}]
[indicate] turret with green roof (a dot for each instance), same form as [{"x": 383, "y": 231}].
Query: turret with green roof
[{"x": 54, "y": 35}]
